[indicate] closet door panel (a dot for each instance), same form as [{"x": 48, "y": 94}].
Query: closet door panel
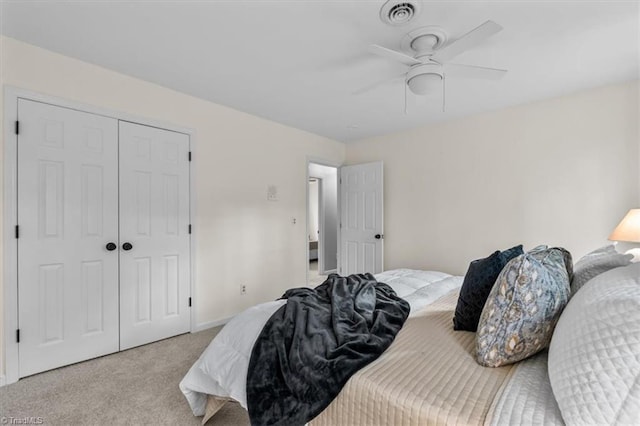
[
  {"x": 154, "y": 219},
  {"x": 67, "y": 212}
]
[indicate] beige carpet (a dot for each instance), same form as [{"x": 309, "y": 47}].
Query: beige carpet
[{"x": 134, "y": 387}]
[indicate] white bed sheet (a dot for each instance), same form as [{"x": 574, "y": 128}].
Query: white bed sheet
[{"x": 222, "y": 368}]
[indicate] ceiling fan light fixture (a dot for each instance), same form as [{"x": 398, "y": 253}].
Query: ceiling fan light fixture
[{"x": 425, "y": 83}]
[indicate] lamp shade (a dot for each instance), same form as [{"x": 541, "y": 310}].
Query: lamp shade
[{"x": 628, "y": 229}]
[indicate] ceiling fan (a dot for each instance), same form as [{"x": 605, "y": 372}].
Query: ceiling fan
[{"x": 429, "y": 66}]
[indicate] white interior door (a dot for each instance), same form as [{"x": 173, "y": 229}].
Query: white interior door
[
  {"x": 67, "y": 210},
  {"x": 361, "y": 205},
  {"x": 154, "y": 220}
]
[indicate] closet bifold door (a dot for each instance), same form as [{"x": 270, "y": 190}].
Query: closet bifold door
[
  {"x": 154, "y": 234},
  {"x": 67, "y": 212}
]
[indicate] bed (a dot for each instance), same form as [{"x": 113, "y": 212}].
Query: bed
[{"x": 428, "y": 376}]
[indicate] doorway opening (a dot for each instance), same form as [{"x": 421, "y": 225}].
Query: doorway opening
[{"x": 322, "y": 222}]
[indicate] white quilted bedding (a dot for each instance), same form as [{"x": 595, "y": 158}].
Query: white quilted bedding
[
  {"x": 594, "y": 357},
  {"x": 419, "y": 288},
  {"x": 526, "y": 397}
]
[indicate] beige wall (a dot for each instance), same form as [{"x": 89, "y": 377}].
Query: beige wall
[
  {"x": 242, "y": 239},
  {"x": 560, "y": 172}
]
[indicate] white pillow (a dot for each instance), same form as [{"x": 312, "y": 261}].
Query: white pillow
[
  {"x": 595, "y": 263},
  {"x": 594, "y": 357}
]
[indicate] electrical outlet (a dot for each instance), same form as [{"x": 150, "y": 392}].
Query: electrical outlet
[{"x": 243, "y": 289}]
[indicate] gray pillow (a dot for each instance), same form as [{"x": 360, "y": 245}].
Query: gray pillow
[
  {"x": 523, "y": 307},
  {"x": 595, "y": 263}
]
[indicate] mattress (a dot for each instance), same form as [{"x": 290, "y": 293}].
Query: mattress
[{"x": 427, "y": 377}]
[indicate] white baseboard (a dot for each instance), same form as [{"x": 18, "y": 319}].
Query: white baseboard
[
  {"x": 3, "y": 381},
  {"x": 210, "y": 324},
  {"x": 330, "y": 271}
]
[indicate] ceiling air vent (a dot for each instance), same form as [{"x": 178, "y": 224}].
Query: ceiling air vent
[{"x": 396, "y": 12}]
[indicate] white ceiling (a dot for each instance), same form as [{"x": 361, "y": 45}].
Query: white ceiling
[{"x": 297, "y": 62}]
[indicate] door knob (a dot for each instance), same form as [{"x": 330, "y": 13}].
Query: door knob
[
  {"x": 127, "y": 246},
  {"x": 111, "y": 246},
  {"x": 378, "y": 236}
]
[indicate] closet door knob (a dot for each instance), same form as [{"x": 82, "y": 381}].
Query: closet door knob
[
  {"x": 378, "y": 236},
  {"x": 127, "y": 246},
  {"x": 111, "y": 246}
]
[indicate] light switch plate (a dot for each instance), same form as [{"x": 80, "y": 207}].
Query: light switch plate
[{"x": 272, "y": 193}]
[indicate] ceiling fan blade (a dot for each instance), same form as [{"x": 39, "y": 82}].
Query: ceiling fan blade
[
  {"x": 376, "y": 84},
  {"x": 472, "y": 71},
  {"x": 467, "y": 41},
  {"x": 394, "y": 55}
]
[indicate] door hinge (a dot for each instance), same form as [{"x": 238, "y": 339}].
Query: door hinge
[
  {"x": 189, "y": 228},
  {"x": 17, "y": 231},
  {"x": 189, "y": 302},
  {"x": 17, "y": 127},
  {"x": 18, "y": 336},
  {"x": 189, "y": 155}
]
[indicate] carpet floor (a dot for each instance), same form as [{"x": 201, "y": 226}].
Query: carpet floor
[{"x": 134, "y": 387}]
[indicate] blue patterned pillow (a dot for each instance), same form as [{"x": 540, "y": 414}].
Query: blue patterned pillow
[
  {"x": 523, "y": 307},
  {"x": 477, "y": 284}
]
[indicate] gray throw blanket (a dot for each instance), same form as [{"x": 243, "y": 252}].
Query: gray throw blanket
[{"x": 313, "y": 344}]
